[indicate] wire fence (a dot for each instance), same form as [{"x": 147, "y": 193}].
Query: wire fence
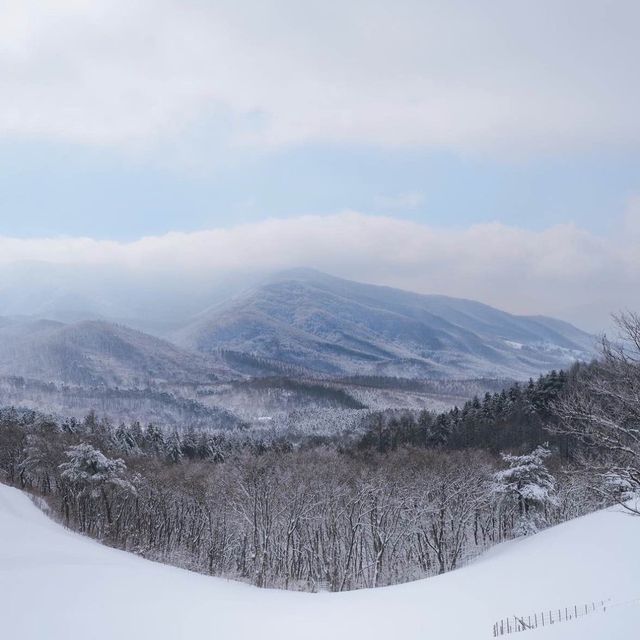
[{"x": 514, "y": 624}]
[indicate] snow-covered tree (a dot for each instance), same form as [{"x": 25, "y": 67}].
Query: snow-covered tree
[
  {"x": 41, "y": 460},
  {"x": 124, "y": 439},
  {"x": 530, "y": 484},
  {"x": 154, "y": 438},
  {"x": 174, "y": 447},
  {"x": 602, "y": 413},
  {"x": 94, "y": 475}
]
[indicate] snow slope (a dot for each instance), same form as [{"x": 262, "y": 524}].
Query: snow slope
[{"x": 55, "y": 584}]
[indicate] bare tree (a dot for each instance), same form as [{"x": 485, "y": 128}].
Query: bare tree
[{"x": 602, "y": 412}]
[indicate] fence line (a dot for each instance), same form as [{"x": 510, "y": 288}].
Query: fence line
[{"x": 515, "y": 624}]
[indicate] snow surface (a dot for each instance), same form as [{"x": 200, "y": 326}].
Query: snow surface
[{"x": 56, "y": 584}]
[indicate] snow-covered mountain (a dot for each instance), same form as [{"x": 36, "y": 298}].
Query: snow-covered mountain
[
  {"x": 317, "y": 322},
  {"x": 241, "y": 356},
  {"x": 96, "y": 353},
  {"x": 127, "y": 375},
  {"x": 56, "y": 584},
  {"x": 299, "y": 321}
]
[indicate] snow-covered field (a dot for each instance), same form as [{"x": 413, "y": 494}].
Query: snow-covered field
[{"x": 55, "y": 584}]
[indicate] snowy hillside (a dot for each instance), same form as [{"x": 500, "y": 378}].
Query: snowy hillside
[
  {"x": 96, "y": 353},
  {"x": 58, "y": 585},
  {"x": 333, "y": 326},
  {"x": 71, "y": 369}
]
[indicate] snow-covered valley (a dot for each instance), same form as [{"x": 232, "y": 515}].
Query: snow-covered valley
[{"x": 56, "y": 584}]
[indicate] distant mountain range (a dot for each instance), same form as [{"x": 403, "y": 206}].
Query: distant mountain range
[
  {"x": 299, "y": 340},
  {"x": 336, "y": 327}
]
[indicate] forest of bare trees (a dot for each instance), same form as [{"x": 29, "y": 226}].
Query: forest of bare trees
[
  {"x": 307, "y": 518},
  {"x": 416, "y": 495}
]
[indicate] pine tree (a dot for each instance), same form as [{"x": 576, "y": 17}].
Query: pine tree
[
  {"x": 94, "y": 475},
  {"x": 174, "y": 447},
  {"x": 528, "y": 482}
]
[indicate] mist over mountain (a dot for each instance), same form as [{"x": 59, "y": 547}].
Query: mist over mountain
[
  {"x": 297, "y": 340},
  {"x": 96, "y": 353},
  {"x": 338, "y": 327},
  {"x": 300, "y": 319},
  {"x": 151, "y": 300}
]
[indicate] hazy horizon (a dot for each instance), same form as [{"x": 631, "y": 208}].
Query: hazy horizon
[
  {"x": 480, "y": 150},
  {"x": 561, "y": 273}
]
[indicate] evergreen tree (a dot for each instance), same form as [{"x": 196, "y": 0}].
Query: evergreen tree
[
  {"x": 93, "y": 475},
  {"x": 174, "y": 447},
  {"x": 528, "y": 482}
]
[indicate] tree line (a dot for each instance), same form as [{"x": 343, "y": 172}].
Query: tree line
[
  {"x": 302, "y": 518},
  {"x": 413, "y": 496},
  {"x": 516, "y": 417}
]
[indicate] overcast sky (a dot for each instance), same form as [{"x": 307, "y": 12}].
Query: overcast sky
[{"x": 484, "y": 149}]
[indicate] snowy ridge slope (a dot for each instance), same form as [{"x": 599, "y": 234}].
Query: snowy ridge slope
[
  {"x": 55, "y": 584},
  {"x": 96, "y": 353},
  {"x": 334, "y": 326}
]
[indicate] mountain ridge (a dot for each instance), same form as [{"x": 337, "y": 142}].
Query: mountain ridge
[
  {"x": 311, "y": 319},
  {"x": 95, "y": 352}
]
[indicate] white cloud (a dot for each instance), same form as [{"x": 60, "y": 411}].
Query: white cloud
[
  {"x": 562, "y": 270},
  {"x": 461, "y": 75}
]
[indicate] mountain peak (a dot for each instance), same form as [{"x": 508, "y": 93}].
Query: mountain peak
[{"x": 336, "y": 326}]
